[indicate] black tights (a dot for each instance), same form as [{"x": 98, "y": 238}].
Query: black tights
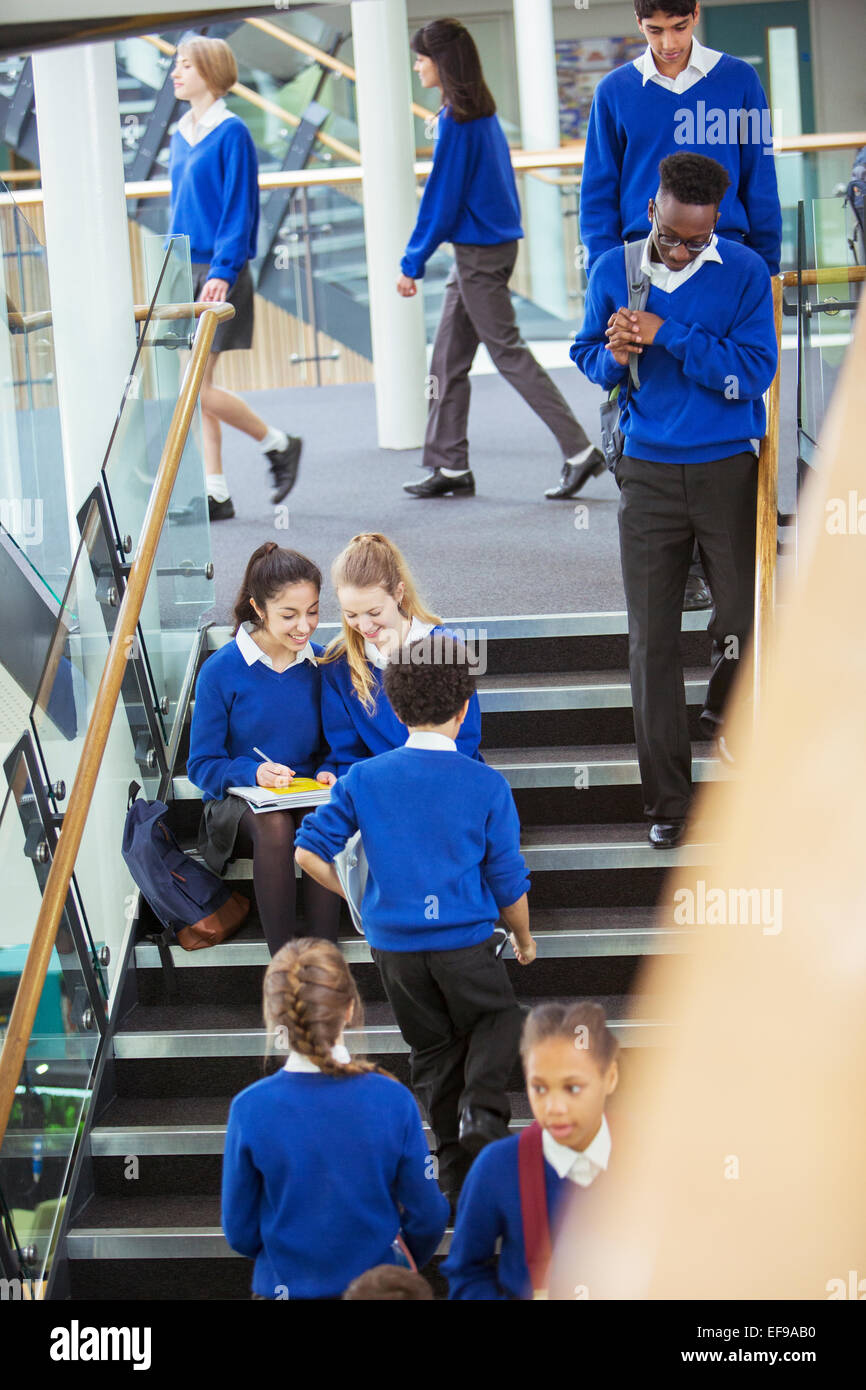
[{"x": 270, "y": 839}]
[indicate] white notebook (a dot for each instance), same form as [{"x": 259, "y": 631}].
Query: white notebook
[{"x": 302, "y": 791}]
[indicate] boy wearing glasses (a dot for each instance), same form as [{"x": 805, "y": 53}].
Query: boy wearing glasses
[
  {"x": 679, "y": 95},
  {"x": 706, "y": 345}
]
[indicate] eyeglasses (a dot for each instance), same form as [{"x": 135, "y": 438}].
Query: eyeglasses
[{"x": 671, "y": 242}]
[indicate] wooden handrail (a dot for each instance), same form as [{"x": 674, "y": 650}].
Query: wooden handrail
[
  {"x": 271, "y": 107},
  {"x": 825, "y": 275},
  {"x": 43, "y": 318},
  {"x": 320, "y": 56},
  {"x": 767, "y": 519},
  {"x": 56, "y": 888}
]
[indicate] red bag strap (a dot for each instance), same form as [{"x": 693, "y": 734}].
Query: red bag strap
[{"x": 533, "y": 1206}]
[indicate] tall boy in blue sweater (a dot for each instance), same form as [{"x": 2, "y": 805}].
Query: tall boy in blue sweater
[
  {"x": 678, "y": 96},
  {"x": 442, "y": 839},
  {"x": 707, "y": 351}
]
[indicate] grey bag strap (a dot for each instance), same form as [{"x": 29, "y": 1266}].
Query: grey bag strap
[{"x": 638, "y": 292}]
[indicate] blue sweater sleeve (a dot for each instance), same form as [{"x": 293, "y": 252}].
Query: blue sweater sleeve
[
  {"x": 471, "y": 1264},
  {"x": 326, "y": 831},
  {"x": 424, "y": 1210},
  {"x": 741, "y": 365},
  {"x": 209, "y": 766},
  {"x": 442, "y": 198},
  {"x": 469, "y": 735},
  {"x": 241, "y": 1192},
  {"x": 240, "y": 209},
  {"x": 759, "y": 191},
  {"x": 589, "y": 351},
  {"x": 504, "y": 867},
  {"x": 600, "y": 217},
  {"x": 341, "y": 735}
]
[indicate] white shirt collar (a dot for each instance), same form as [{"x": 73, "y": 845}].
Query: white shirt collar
[
  {"x": 296, "y": 1061},
  {"x": 379, "y": 659},
  {"x": 425, "y": 738},
  {"x": 670, "y": 280},
  {"x": 194, "y": 131},
  {"x": 579, "y": 1167},
  {"x": 252, "y": 652},
  {"x": 701, "y": 61}
]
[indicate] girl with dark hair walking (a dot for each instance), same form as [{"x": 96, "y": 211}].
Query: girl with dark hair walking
[
  {"x": 471, "y": 200},
  {"x": 327, "y": 1172},
  {"x": 263, "y": 690}
]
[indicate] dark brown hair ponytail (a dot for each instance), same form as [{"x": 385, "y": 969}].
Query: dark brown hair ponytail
[
  {"x": 270, "y": 569},
  {"x": 452, "y": 48}
]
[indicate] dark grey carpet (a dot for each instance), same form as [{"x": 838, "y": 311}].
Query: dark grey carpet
[{"x": 507, "y": 550}]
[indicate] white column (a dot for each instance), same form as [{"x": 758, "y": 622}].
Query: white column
[
  {"x": 90, "y": 279},
  {"x": 380, "y": 32},
  {"x": 539, "y": 123},
  {"x": 88, "y": 250}
]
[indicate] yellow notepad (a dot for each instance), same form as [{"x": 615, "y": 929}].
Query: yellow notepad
[{"x": 297, "y": 784}]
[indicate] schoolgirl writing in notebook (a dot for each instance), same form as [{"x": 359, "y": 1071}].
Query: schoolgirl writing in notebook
[
  {"x": 381, "y": 612},
  {"x": 514, "y": 1196},
  {"x": 262, "y": 691},
  {"x": 326, "y": 1163}
]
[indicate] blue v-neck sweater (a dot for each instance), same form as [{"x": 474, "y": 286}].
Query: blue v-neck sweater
[
  {"x": 470, "y": 196},
  {"x": 320, "y": 1174},
  {"x": 352, "y": 733},
  {"x": 633, "y": 127},
  {"x": 489, "y": 1211},
  {"x": 703, "y": 378},
  {"x": 215, "y": 197},
  {"x": 239, "y": 708}
]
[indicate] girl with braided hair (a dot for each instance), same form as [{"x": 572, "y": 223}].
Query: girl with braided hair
[{"x": 326, "y": 1162}]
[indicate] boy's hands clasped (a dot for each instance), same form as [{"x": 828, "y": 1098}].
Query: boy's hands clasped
[{"x": 630, "y": 331}]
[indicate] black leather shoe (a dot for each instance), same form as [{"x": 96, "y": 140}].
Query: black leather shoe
[
  {"x": 574, "y": 475},
  {"x": 437, "y": 485},
  {"x": 697, "y": 594},
  {"x": 480, "y": 1127},
  {"x": 666, "y": 834},
  {"x": 284, "y": 467},
  {"x": 220, "y": 511}
]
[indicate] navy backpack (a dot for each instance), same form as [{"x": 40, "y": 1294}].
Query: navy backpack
[{"x": 195, "y": 907}]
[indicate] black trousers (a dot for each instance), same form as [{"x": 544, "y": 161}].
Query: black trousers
[
  {"x": 458, "y": 1012},
  {"x": 664, "y": 509}
]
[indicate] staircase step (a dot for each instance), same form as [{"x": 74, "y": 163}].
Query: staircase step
[
  {"x": 558, "y": 933},
  {"x": 168, "y": 1227},
  {"x": 147, "y": 1141},
  {"x": 154, "y": 1038},
  {"x": 585, "y": 847},
  {"x": 594, "y": 765}
]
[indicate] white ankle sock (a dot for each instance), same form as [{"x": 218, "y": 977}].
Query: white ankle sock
[
  {"x": 583, "y": 457},
  {"x": 217, "y": 487},
  {"x": 274, "y": 439},
  {"x": 454, "y": 472}
]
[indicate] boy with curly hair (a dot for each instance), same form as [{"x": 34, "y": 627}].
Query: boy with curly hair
[{"x": 442, "y": 839}]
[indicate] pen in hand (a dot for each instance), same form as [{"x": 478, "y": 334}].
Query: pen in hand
[{"x": 278, "y": 774}]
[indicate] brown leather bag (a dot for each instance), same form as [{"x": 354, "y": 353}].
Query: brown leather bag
[{"x": 217, "y": 927}]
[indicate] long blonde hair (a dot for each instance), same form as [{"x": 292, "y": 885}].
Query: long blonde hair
[{"x": 370, "y": 560}]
